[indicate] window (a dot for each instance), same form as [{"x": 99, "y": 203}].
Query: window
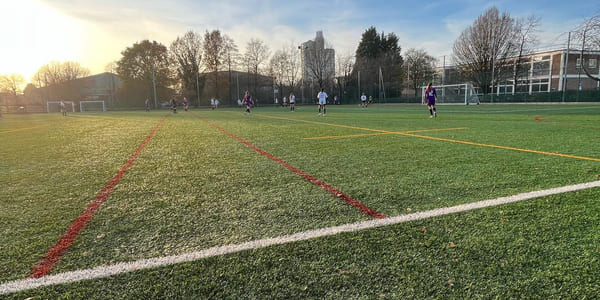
[
  {"x": 541, "y": 68},
  {"x": 540, "y": 85},
  {"x": 593, "y": 62},
  {"x": 578, "y": 63}
]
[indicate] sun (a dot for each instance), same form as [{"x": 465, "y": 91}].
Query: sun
[{"x": 35, "y": 34}]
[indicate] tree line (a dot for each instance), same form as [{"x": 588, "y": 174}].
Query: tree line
[{"x": 488, "y": 51}]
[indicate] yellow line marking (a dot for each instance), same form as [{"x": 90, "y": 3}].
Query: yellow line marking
[
  {"x": 450, "y": 140},
  {"x": 435, "y": 130},
  {"x": 502, "y": 147},
  {"x": 343, "y": 136},
  {"x": 23, "y": 129},
  {"x": 381, "y": 133}
]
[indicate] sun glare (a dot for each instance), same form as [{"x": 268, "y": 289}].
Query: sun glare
[{"x": 36, "y": 34}]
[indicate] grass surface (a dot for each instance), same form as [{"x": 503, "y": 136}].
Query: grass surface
[{"x": 194, "y": 187}]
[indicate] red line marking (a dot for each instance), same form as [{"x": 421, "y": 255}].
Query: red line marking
[
  {"x": 337, "y": 193},
  {"x": 53, "y": 256}
]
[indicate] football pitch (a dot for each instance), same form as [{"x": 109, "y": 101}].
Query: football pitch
[{"x": 484, "y": 201}]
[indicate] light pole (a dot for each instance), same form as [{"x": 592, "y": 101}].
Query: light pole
[
  {"x": 198, "y": 88},
  {"x": 154, "y": 87},
  {"x": 302, "y": 70}
]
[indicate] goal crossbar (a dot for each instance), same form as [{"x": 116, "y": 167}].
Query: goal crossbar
[
  {"x": 49, "y": 103},
  {"x": 452, "y": 93},
  {"x": 81, "y": 104}
]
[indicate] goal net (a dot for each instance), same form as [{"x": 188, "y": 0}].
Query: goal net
[
  {"x": 54, "y": 106},
  {"x": 86, "y": 106},
  {"x": 454, "y": 93}
]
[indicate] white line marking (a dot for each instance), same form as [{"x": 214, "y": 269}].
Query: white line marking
[{"x": 119, "y": 268}]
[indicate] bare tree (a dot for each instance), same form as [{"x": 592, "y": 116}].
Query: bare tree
[
  {"x": 292, "y": 71},
  {"x": 214, "y": 49},
  {"x": 277, "y": 67},
  {"x": 230, "y": 57},
  {"x": 482, "y": 50},
  {"x": 58, "y": 72},
  {"x": 12, "y": 83},
  {"x": 526, "y": 39},
  {"x": 256, "y": 54},
  {"x": 588, "y": 34},
  {"x": 318, "y": 64},
  {"x": 186, "y": 56},
  {"x": 111, "y": 67},
  {"x": 344, "y": 65},
  {"x": 420, "y": 68}
]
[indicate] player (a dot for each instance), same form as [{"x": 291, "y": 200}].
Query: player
[
  {"x": 248, "y": 101},
  {"x": 322, "y": 96},
  {"x": 185, "y": 104},
  {"x": 212, "y": 103},
  {"x": 292, "y": 102},
  {"x": 63, "y": 109},
  {"x": 173, "y": 105},
  {"x": 147, "y": 103},
  {"x": 363, "y": 100},
  {"x": 431, "y": 97}
]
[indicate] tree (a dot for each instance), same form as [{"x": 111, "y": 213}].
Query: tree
[
  {"x": 284, "y": 66},
  {"x": 525, "y": 33},
  {"x": 292, "y": 71},
  {"x": 256, "y": 54},
  {"x": 588, "y": 34},
  {"x": 12, "y": 83},
  {"x": 214, "y": 49},
  {"x": 230, "y": 57},
  {"x": 318, "y": 63},
  {"x": 420, "y": 68},
  {"x": 111, "y": 67},
  {"x": 59, "y": 72},
  {"x": 344, "y": 64},
  {"x": 146, "y": 62},
  {"x": 378, "y": 59},
  {"x": 482, "y": 50},
  {"x": 186, "y": 56},
  {"x": 277, "y": 67}
]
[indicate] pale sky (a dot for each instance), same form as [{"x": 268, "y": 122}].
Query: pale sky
[{"x": 94, "y": 32}]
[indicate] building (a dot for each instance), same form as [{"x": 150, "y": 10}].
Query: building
[
  {"x": 544, "y": 71},
  {"x": 99, "y": 87},
  {"x": 318, "y": 62}
]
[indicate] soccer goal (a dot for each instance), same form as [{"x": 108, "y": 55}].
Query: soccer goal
[
  {"x": 454, "y": 93},
  {"x": 54, "y": 106},
  {"x": 96, "y": 105}
]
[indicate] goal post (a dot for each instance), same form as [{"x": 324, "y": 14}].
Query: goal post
[
  {"x": 54, "y": 106},
  {"x": 453, "y": 93},
  {"x": 92, "y": 105}
]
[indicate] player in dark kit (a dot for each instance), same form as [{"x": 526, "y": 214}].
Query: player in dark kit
[
  {"x": 248, "y": 101},
  {"x": 431, "y": 97}
]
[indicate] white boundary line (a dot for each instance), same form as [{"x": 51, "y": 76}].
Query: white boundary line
[{"x": 119, "y": 268}]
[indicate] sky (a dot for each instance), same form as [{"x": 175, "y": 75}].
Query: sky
[{"x": 95, "y": 32}]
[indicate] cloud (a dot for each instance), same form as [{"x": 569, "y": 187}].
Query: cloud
[{"x": 107, "y": 27}]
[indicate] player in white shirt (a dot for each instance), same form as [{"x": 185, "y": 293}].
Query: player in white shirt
[
  {"x": 363, "y": 100},
  {"x": 322, "y": 96},
  {"x": 292, "y": 102}
]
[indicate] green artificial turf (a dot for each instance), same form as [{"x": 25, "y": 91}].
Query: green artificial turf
[{"x": 194, "y": 187}]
